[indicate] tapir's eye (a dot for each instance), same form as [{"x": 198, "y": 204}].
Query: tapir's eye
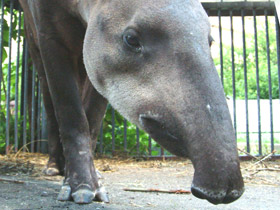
[{"x": 131, "y": 40}]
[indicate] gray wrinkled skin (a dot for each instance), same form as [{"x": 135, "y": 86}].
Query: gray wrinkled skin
[{"x": 165, "y": 83}]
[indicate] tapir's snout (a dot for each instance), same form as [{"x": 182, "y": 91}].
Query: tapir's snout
[{"x": 217, "y": 175}]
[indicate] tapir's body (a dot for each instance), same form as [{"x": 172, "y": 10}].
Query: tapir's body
[{"x": 151, "y": 60}]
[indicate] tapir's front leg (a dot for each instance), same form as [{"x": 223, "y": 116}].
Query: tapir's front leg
[
  {"x": 81, "y": 181},
  {"x": 73, "y": 124},
  {"x": 95, "y": 107}
]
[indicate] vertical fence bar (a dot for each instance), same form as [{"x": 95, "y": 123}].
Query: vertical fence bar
[
  {"x": 161, "y": 151},
  {"x": 113, "y": 132},
  {"x": 245, "y": 81},
  {"x": 277, "y": 29},
  {"x": 32, "y": 126},
  {"x": 38, "y": 116},
  {"x": 17, "y": 81},
  {"x": 269, "y": 80},
  {"x": 8, "y": 95},
  {"x": 44, "y": 130},
  {"x": 233, "y": 72},
  {"x": 25, "y": 96},
  {"x": 22, "y": 79},
  {"x": 258, "y": 81},
  {"x": 221, "y": 47},
  {"x": 150, "y": 146},
  {"x": 137, "y": 140},
  {"x": 125, "y": 134},
  {"x": 1, "y": 48}
]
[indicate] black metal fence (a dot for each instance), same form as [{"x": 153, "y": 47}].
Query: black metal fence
[
  {"x": 247, "y": 55},
  {"x": 254, "y": 71}
]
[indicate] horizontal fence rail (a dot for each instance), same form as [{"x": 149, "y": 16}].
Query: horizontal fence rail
[
  {"x": 246, "y": 53},
  {"x": 237, "y": 8}
]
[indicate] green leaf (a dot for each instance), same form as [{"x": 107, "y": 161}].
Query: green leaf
[
  {"x": 5, "y": 34},
  {"x": 4, "y": 55}
]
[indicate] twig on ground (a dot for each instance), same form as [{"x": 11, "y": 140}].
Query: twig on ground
[
  {"x": 259, "y": 160},
  {"x": 264, "y": 158},
  {"x": 159, "y": 191},
  {"x": 11, "y": 180},
  {"x": 241, "y": 150},
  {"x": 250, "y": 176},
  {"x": 268, "y": 169},
  {"x": 25, "y": 146}
]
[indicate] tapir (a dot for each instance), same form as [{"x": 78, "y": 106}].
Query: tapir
[{"x": 151, "y": 60}]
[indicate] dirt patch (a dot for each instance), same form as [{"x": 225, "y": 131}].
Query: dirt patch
[
  {"x": 32, "y": 164},
  {"x": 24, "y": 186}
]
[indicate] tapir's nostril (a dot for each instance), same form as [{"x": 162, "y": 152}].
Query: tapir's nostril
[
  {"x": 203, "y": 194},
  {"x": 197, "y": 193},
  {"x": 233, "y": 195}
]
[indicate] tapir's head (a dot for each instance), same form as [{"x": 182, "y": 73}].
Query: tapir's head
[{"x": 151, "y": 59}]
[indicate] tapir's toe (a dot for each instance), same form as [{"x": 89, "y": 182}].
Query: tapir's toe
[
  {"x": 83, "y": 196},
  {"x": 101, "y": 195},
  {"x": 65, "y": 193}
]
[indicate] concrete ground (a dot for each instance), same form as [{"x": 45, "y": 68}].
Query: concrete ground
[{"x": 39, "y": 192}]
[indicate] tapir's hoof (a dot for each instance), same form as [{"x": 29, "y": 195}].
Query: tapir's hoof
[
  {"x": 65, "y": 193},
  {"x": 101, "y": 195},
  {"x": 83, "y": 196},
  {"x": 50, "y": 171}
]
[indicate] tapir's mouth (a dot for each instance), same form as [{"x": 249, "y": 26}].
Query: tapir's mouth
[
  {"x": 163, "y": 135},
  {"x": 216, "y": 197}
]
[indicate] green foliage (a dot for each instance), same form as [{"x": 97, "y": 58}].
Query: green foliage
[
  {"x": 14, "y": 29},
  {"x": 251, "y": 67},
  {"x": 5, "y": 51},
  {"x": 2, "y": 133}
]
